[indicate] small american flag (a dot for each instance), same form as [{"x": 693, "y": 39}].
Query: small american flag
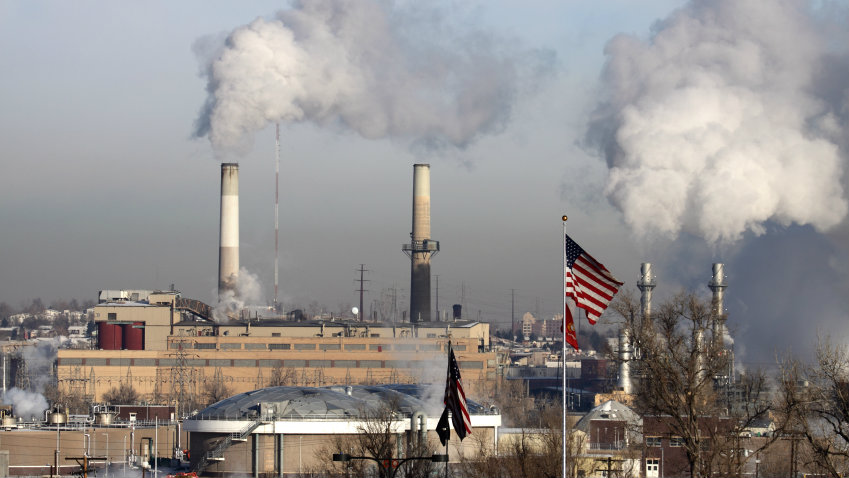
[
  {"x": 455, "y": 398},
  {"x": 588, "y": 282}
]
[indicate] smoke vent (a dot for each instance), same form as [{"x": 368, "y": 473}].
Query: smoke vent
[
  {"x": 228, "y": 240},
  {"x": 421, "y": 247}
]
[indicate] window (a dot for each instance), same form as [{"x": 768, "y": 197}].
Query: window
[
  {"x": 676, "y": 441},
  {"x": 112, "y": 316},
  {"x": 275, "y": 334},
  {"x": 652, "y": 441},
  {"x": 207, "y": 346},
  {"x": 279, "y": 346}
]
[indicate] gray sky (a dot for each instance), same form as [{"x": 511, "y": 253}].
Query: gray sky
[{"x": 106, "y": 187}]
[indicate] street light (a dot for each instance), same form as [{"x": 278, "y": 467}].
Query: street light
[{"x": 390, "y": 463}]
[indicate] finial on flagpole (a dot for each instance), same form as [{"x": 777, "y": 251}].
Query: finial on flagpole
[{"x": 565, "y": 217}]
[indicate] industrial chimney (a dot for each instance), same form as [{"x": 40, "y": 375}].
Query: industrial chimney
[
  {"x": 421, "y": 247},
  {"x": 717, "y": 285},
  {"x": 228, "y": 240},
  {"x": 646, "y": 284}
]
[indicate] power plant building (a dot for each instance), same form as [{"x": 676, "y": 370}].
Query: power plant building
[{"x": 166, "y": 342}]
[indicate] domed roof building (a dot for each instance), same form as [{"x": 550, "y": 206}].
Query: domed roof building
[{"x": 279, "y": 430}]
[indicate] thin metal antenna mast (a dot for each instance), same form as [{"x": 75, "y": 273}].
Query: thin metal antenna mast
[{"x": 276, "y": 214}]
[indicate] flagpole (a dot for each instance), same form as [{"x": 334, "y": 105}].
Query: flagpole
[{"x": 563, "y": 350}]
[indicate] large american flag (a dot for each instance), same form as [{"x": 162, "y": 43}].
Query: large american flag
[
  {"x": 455, "y": 399},
  {"x": 588, "y": 282}
]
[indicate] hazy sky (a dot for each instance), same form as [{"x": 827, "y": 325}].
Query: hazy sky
[{"x": 670, "y": 132}]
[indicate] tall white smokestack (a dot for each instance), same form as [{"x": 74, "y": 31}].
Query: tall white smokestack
[
  {"x": 421, "y": 248},
  {"x": 228, "y": 240},
  {"x": 625, "y": 382}
]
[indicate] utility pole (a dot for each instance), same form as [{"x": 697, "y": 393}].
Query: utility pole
[
  {"x": 394, "y": 304},
  {"x": 438, "y": 317},
  {"x": 513, "y": 313},
  {"x": 362, "y": 270}
]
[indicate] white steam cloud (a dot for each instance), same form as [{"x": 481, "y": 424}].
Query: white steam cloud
[
  {"x": 248, "y": 291},
  {"x": 377, "y": 68},
  {"x": 731, "y": 115},
  {"x": 25, "y": 404}
]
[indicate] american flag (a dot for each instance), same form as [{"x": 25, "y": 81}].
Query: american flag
[
  {"x": 588, "y": 282},
  {"x": 455, "y": 399}
]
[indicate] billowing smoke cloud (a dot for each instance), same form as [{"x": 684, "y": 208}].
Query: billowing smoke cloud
[
  {"x": 374, "y": 67},
  {"x": 38, "y": 360},
  {"x": 25, "y": 404},
  {"x": 731, "y": 116},
  {"x": 248, "y": 292}
]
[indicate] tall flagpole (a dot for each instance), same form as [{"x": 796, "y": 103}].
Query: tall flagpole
[{"x": 563, "y": 350}]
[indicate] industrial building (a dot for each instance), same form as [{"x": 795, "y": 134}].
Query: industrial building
[
  {"x": 280, "y": 431},
  {"x": 165, "y": 346}
]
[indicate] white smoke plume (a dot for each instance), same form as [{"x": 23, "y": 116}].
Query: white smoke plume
[
  {"x": 248, "y": 292},
  {"x": 25, "y": 404},
  {"x": 730, "y": 116},
  {"x": 378, "y": 68}
]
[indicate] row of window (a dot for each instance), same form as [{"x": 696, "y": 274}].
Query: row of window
[
  {"x": 657, "y": 441},
  {"x": 326, "y": 347},
  {"x": 290, "y": 363}
]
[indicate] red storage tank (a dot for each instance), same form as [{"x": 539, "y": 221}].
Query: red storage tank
[
  {"x": 109, "y": 336},
  {"x": 134, "y": 336}
]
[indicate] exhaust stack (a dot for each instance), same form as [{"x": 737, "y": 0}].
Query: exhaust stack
[
  {"x": 421, "y": 247},
  {"x": 228, "y": 240},
  {"x": 717, "y": 285},
  {"x": 646, "y": 284}
]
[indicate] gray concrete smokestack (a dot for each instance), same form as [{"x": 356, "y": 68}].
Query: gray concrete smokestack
[
  {"x": 717, "y": 285},
  {"x": 228, "y": 240},
  {"x": 421, "y": 247}
]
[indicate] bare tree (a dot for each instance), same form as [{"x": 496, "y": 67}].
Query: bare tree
[
  {"x": 123, "y": 394},
  {"x": 684, "y": 382},
  {"x": 380, "y": 439},
  {"x": 533, "y": 452},
  {"x": 815, "y": 407}
]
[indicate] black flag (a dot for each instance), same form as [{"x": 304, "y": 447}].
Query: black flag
[{"x": 442, "y": 428}]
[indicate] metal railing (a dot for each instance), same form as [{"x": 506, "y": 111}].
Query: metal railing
[{"x": 218, "y": 450}]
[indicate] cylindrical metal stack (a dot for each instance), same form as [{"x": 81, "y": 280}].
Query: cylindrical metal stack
[{"x": 228, "y": 250}]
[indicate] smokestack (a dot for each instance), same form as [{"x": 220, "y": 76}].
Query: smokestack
[
  {"x": 228, "y": 240},
  {"x": 717, "y": 285},
  {"x": 646, "y": 284},
  {"x": 625, "y": 382},
  {"x": 421, "y": 247}
]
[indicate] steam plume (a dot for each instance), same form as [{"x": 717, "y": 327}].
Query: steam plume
[
  {"x": 379, "y": 69},
  {"x": 731, "y": 115},
  {"x": 231, "y": 302}
]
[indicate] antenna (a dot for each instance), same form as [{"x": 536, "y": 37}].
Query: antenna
[{"x": 276, "y": 213}]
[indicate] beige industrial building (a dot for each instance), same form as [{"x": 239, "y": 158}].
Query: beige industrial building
[{"x": 168, "y": 347}]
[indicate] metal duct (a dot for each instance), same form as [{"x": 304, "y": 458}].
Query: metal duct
[
  {"x": 228, "y": 243},
  {"x": 421, "y": 247}
]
